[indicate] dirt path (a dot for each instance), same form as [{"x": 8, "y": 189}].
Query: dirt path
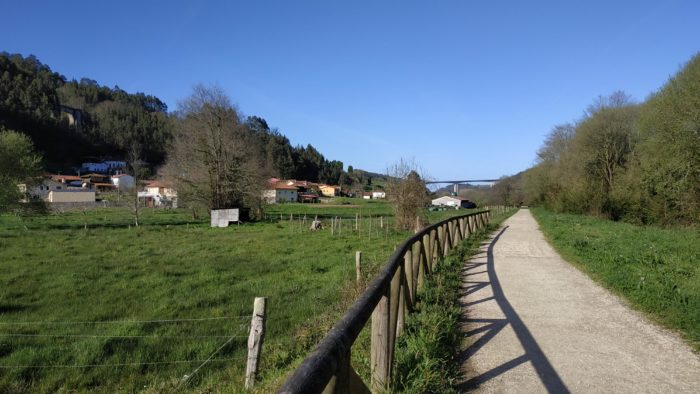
[{"x": 533, "y": 323}]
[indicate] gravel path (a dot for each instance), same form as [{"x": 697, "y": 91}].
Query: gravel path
[{"x": 533, "y": 323}]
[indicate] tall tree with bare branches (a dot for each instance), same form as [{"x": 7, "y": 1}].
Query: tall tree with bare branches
[
  {"x": 407, "y": 192},
  {"x": 211, "y": 159}
]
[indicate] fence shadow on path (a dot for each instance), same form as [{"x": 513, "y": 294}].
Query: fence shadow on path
[{"x": 532, "y": 352}]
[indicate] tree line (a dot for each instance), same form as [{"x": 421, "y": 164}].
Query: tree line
[{"x": 637, "y": 162}]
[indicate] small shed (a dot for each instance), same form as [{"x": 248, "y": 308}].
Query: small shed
[
  {"x": 456, "y": 202},
  {"x": 224, "y": 217}
]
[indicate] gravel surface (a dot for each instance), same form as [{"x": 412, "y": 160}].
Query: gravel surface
[{"x": 534, "y": 323}]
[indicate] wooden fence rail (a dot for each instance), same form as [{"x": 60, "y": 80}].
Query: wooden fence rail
[{"x": 386, "y": 301}]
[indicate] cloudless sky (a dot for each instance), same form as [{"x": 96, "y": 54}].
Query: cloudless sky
[{"x": 466, "y": 88}]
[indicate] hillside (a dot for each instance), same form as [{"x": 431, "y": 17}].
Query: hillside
[{"x": 71, "y": 121}]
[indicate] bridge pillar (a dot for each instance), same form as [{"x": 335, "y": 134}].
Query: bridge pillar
[{"x": 456, "y": 189}]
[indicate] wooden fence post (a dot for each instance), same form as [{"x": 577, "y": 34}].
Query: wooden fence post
[
  {"x": 411, "y": 271},
  {"x": 394, "y": 315},
  {"x": 255, "y": 340},
  {"x": 358, "y": 267},
  {"x": 379, "y": 352}
]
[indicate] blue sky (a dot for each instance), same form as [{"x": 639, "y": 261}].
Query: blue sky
[{"x": 466, "y": 88}]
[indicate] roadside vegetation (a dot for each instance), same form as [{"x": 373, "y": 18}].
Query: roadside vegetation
[
  {"x": 425, "y": 353},
  {"x": 656, "y": 269},
  {"x": 629, "y": 161}
]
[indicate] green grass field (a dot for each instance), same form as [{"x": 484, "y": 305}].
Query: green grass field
[
  {"x": 656, "y": 269},
  {"x": 74, "y": 284}
]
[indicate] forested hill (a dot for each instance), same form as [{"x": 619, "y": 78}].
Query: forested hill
[
  {"x": 105, "y": 121},
  {"x": 72, "y": 121}
]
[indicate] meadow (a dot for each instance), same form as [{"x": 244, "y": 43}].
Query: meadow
[
  {"x": 90, "y": 302},
  {"x": 656, "y": 269}
]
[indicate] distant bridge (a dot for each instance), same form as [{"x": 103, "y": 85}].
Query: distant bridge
[
  {"x": 457, "y": 183},
  {"x": 467, "y": 181}
]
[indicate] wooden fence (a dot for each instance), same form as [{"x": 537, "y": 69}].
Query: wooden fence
[{"x": 386, "y": 300}]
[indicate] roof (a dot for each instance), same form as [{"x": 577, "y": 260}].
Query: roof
[
  {"x": 92, "y": 174},
  {"x": 157, "y": 183},
  {"x": 103, "y": 184},
  {"x": 66, "y": 177},
  {"x": 450, "y": 197},
  {"x": 282, "y": 186}
]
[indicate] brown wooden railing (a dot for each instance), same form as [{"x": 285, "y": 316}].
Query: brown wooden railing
[{"x": 386, "y": 300}]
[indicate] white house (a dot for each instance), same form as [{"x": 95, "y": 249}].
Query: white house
[
  {"x": 158, "y": 194},
  {"x": 281, "y": 192},
  {"x": 95, "y": 167},
  {"x": 115, "y": 164},
  {"x": 40, "y": 191},
  {"x": 51, "y": 191},
  {"x": 122, "y": 181},
  {"x": 378, "y": 194}
]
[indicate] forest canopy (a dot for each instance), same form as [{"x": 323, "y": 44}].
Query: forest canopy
[{"x": 638, "y": 162}]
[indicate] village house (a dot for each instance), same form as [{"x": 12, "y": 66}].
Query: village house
[
  {"x": 306, "y": 191},
  {"x": 280, "y": 192},
  {"x": 52, "y": 191},
  {"x": 73, "y": 181},
  {"x": 158, "y": 194},
  {"x": 39, "y": 191},
  {"x": 94, "y": 167},
  {"x": 122, "y": 181},
  {"x": 97, "y": 182},
  {"x": 290, "y": 190},
  {"x": 107, "y": 166},
  {"x": 329, "y": 190}
]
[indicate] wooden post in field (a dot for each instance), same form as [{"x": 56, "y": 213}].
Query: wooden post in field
[
  {"x": 381, "y": 222},
  {"x": 255, "y": 340},
  {"x": 357, "y": 223},
  {"x": 358, "y": 266},
  {"x": 369, "y": 232},
  {"x": 340, "y": 225},
  {"x": 417, "y": 223},
  {"x": 332, "y": 225}
]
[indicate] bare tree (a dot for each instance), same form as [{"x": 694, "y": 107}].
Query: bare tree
[
  {"x": 407, "y": 192},
  {"x": 138, "y": 171},
  {"x": 209, "y": 158}
]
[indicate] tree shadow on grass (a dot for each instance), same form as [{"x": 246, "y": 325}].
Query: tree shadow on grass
[{"x": 533, "y": 353}]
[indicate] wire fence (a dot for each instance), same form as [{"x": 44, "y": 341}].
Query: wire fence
[{"x": 12, "y": 331}]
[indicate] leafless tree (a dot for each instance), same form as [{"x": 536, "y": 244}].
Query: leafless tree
[
  {"x": 210, "y": 157},
  {"x": 138, "y": 171},
  {"x": 407, "y": 192}
]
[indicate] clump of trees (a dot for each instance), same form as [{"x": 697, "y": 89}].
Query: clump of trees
[
  {"x": 19, "y": 163},
  {"x": 108, "y": 120},
  {"x": 407, "y": 193},
  {"x": 638, "y": 162}
]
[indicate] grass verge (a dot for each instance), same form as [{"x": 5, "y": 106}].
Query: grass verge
[
  {"x": 426, "y": 352},
  {"x": 656, "y": 269}
]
